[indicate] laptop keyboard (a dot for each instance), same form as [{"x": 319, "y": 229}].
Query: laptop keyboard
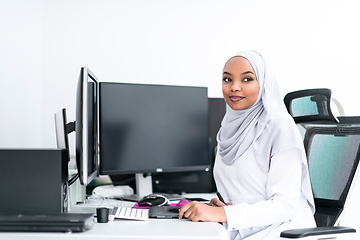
[{"x": 129, "y": 213}]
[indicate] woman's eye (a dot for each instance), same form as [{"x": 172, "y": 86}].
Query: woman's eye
[
  {"x": 248, "y": 79},
  {"x": 226, "y": 79}
]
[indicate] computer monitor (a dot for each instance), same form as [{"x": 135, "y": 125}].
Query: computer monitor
[
  {"x": 62, "y": 140},
  {"x": 86, "y": 126},
  {"x": 153, "y": 129}
]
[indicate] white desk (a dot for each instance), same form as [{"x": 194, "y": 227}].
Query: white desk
[{"x": 153, "y": 229}]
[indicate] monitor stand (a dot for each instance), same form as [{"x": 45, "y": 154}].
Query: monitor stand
[{"x": 144, "y": 187}]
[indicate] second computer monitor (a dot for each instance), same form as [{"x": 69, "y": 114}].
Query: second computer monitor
[
  {"x": 86, "y": 126},
  {"x": 153, "y": 128}
]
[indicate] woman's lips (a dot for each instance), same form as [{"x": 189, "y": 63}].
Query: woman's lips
[{"x": 236, "y": 98}]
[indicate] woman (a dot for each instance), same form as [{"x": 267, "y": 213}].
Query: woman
[{"x": 260, "y": 167}]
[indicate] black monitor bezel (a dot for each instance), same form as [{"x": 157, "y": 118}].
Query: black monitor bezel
[{"x": 81, "y": 126}]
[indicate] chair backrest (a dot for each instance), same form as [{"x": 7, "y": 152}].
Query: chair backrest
[
  {"x": 332, "y": 150},
  {"x": 310, "y": 105},
  {"x": 333, "y": 156}
]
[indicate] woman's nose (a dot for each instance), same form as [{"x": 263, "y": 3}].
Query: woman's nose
[{"x": 236, "y": 86}]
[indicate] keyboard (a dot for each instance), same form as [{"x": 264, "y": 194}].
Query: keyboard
[{"x": 129, "y": 213}]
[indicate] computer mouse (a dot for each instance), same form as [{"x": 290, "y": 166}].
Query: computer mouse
[{"x": 153, "y": 200}]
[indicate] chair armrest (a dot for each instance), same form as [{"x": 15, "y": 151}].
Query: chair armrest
[{"x": 307, "y": 232}]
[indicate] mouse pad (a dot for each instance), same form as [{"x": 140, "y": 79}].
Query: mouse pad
[{"x": 165, "y": 212}]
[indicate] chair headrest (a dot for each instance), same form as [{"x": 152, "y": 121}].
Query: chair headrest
[{"x": 310, "y": 105}]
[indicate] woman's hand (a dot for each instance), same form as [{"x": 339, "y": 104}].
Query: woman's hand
[
  {"x": 196, "y": 212},
  {"x": 216, "y": 203}
]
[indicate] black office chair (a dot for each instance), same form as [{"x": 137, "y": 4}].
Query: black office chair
[
  {"x": 310, "y": 105},
  {"x": 333, "y": 156}
]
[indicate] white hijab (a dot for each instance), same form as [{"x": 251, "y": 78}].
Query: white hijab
[{"x": 240, "y": 128}]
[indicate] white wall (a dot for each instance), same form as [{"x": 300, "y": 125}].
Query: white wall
[
  {"x": 21, "y": 73},
  {"x": 43, "y": 44},
  {"x": 183, "y": 42}
]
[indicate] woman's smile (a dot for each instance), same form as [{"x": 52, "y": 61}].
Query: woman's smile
[{"x": 236, "y": 98}]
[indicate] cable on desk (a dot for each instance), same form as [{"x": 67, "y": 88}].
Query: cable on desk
[{"x": 73, "y": 179}]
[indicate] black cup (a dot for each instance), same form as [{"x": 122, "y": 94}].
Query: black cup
[{"x": 102, "y": 215}]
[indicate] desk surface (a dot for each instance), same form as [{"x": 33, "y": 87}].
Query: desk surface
[
  {"x": 127, "y": 229},
  {"x": 135, "y": 230}
]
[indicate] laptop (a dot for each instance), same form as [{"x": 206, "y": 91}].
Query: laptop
[
  {"x": 54, "y": 222},
  {"x": 164, "y": 212}
]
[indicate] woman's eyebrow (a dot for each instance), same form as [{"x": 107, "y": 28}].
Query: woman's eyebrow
[{"x": 248, "y": 72}]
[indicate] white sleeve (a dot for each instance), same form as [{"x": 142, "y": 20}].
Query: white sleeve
[{"x": 283, "y": 194}]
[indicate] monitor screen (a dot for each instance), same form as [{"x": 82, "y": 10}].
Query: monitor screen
[
  {"x": 86, "y": 126},
  {"x": 153, "y": 128}
]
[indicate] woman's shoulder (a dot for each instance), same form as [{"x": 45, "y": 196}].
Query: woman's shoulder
[
  {"x": 281, "y": 121},
  {"x": 282, "y": 126},
  {"x": 283, "y": 133}
]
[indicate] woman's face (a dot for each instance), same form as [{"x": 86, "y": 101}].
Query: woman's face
[{"x": 240, "y": 86}]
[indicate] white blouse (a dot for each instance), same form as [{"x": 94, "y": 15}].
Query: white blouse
[{"x": 265, "y": 194}]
